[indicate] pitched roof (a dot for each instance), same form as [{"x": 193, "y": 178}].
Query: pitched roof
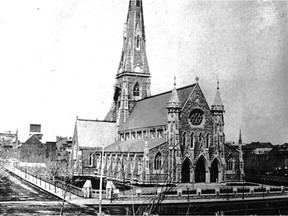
[
  {"x": 152, "y": 111},
  {"x": 136, "y": 145},
  {"x": 94, "y": 133},
  {"x": 34, "y": 139}
]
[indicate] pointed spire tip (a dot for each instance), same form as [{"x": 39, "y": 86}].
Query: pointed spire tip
[{"x": 174, "y": 80}]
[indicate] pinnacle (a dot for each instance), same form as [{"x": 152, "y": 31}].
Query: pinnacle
[{"x": 174, "y": 99}]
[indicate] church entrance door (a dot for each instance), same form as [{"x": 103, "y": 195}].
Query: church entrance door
[
  {"x": 185, "y": 172},
  {"x": 214, "y": 175},
  {"x": 200, "y": 171}
]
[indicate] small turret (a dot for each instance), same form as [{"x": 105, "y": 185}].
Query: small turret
[
  {"x": 240, "y": 139},
  {"x": 174, "y": 108},
  {"x": 218, "y": 116},
  {"x": 174, "y": 101},
  {"x": 241, "y": 160},
  {"x": 217, "y": 104}
]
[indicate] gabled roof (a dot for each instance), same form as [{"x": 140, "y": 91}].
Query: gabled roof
[
  {"x": 152, "y": 111},
  {"x": 136, "y": 145},
  {"x": 33, "y": 139},
  {"x": 94, "y": 133}
]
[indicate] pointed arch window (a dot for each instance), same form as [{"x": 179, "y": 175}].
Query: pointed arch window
[
  {"x": 184, "y": 139},
  {"x": 91, "y": 159},
  {"x": 158, "y": 161},
  {"x": 200, "y": 138},
  {"x": 192, "y": 140},
  {"x": 136, "y": 90},
  {"x": 230, "y": 164},
  {"x": 207, "y": 140}
]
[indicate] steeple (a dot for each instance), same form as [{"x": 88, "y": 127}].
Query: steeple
[
  {"x": 133, "y": 58},
  {"x": 217, "y": 104},
  {"x": 133, "y": 76},
  {"x": 174, "y": 101}
]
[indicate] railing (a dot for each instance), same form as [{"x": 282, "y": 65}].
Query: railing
[{"x": 170, "y": 193}]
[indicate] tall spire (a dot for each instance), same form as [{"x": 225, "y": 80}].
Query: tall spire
[
  {"x": 133, "y": 58},
  {"x": 174, "y": 100},
  {"x": 133, "y": 76},
  {"x": 217, "y": 104}
]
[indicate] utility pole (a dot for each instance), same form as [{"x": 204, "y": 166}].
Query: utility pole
[{"x": 101, "y": 181}]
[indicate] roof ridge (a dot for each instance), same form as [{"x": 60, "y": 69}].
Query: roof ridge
[
  {"x": 166, "y": 92},
  {"x": 95, "y": 120}
]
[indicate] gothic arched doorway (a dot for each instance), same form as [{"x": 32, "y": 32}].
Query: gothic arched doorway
[
  {"x": 214, "y": 174},
  {"x": 185, "y": 172},
  {"x": 200, "y": 171}
]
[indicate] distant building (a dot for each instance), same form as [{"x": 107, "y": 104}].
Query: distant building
[
  {"x": 261, "y": 151},
  {"x": 8, "y": 144},
  {"x": 34, "y": 150},
  {"x": 64, "y": 148},
  {"x": 174, "y": 136},
  {"x": 256, "y": 156},
  {"x": 278, "y": 159}
]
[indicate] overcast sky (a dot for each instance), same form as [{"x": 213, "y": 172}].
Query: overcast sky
[{"x": 59, "y": 59}]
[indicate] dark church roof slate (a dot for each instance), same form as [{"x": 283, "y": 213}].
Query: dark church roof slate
[
  {"x": 152, "y": 111},
  {"x": 135, "y": 145}
]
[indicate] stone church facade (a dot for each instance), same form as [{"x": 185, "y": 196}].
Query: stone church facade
[{"x": 174, "y": 136}]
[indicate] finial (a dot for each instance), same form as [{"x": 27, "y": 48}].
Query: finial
[
  {"x": 174, "y": 80},
  {"x": 197, "y": 79},
  {"x": 217, "y": 84}
]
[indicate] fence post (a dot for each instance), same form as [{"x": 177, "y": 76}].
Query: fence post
[{"x": 199, "y": 191}]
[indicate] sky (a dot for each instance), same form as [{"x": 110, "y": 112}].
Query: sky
[{"x": 59, "y": 60}]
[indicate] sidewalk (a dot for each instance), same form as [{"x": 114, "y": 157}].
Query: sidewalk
[{"x": 69, "y": 197}]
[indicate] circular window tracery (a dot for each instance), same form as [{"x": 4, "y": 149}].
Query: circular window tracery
[{"x": 196, "y": 117}]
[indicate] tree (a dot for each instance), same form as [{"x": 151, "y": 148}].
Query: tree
[{"x": 62, "y": 172}]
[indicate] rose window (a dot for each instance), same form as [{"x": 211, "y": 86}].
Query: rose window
[{"x": 196, "y": 117}]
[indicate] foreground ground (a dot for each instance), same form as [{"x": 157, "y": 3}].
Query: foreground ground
[{"x": 20, "y": 198}]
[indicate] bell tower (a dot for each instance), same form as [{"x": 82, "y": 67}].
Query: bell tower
[{"x": 133, "y": 75}]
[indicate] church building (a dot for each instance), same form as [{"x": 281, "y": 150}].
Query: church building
[{"x": 170, "y": 137}]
